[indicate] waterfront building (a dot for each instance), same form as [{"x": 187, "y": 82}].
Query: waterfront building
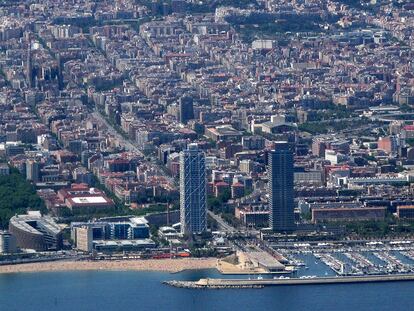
[
  {"x": 193, "y": 196},
  {"x": 84, "y": 238},
  {"x": 111, "y": 228},
  {"x": 134, "y": 228},
  {"x": 7, "y": 243},
  {"x": 123, "y": 245},
  {"x": 34, "y": 231},
  {"x": 280, "y": 188}
]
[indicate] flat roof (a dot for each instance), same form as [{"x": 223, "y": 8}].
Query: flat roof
[
  {"x": 89, "y": 200},
  {"x": 266, "y": 260},
  {"x": 138, "y": 220},
  {"x": 405, "y": 207},
  {"x": 339, "y": 209},
  {"x": 137, "y": 242},
  {"x": 45, "y": 222}
]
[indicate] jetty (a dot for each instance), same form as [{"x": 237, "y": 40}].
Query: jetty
[{"x": 208, "y": 283}]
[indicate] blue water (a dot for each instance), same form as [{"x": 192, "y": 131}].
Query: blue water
[
  {"x": 402, "y": 258},
  {"x": 122, "y": 291},
  {"x": 374, "y": 259},
  {"x": 315, "y": 266}
]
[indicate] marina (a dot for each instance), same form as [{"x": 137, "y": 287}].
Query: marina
[
  {"x": 342, "y": 259},
  {"x": 408, "y": 254},
  {"x": 322, "y": 263}
]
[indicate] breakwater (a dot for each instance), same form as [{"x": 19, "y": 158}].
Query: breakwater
[
  {"x": 260, "y": 283},
  {"x": 196, "y": 285}
]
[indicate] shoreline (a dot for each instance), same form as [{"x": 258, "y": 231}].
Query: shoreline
[{"x": 154, "y": 265}]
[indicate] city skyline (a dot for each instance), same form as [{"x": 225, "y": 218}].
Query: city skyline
[{"x": 270, "y": 141}]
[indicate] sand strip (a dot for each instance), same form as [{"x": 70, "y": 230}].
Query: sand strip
[{"x": 163, "y": 265}]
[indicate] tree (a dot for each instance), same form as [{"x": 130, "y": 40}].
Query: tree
[{"x": 17, "y": 195}]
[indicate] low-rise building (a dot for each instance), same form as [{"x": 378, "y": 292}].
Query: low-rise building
[
  {"x": 85, "y": 234},
  {"x": 83, "y": 200},
  {"x": 326, "y": 214}
]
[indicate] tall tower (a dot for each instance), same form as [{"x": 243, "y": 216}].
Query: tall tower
[
  {"x": 193, "y": 191},
  {"x": 186, "y": 109},
  {"x": 280, "y": 188}
]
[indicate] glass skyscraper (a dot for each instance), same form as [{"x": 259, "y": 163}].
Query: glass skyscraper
[
  {"x": 186, "y": 109},
  {"x": 280, "y": 188},
  {"x": 193, "y": 191}
]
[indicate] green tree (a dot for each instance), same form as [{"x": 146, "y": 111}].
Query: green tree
[{"x": 17, "y": 196}]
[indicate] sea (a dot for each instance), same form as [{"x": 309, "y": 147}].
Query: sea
[{"x": 133, "y": 290}]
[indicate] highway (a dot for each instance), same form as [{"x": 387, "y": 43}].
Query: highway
[{"x": 224, "y": 226}]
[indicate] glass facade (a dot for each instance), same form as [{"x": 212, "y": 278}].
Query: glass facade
[
  {"x": 280, "y": 188},
  {"x": 193, "y": 191}
]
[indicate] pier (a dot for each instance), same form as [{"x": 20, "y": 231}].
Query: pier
[{"x": 260, "y": 283}]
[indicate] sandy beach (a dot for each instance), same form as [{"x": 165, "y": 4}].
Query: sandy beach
[{"x": 163, "y": 265}]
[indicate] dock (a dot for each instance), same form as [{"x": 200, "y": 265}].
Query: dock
[
  {"x": 260, "y": 283},
  {"x": 253, "y": 262}
]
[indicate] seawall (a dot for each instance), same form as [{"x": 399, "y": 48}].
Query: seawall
[{"x": 259, "y": 283}]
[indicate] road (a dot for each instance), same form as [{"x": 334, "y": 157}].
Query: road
[
  {"x": 129, "y": 146},
  {"x": 222, "y": 224},
  {"x": 122, "y": 141}
]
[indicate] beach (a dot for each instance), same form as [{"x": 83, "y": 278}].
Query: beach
[{"x": 163, "y": 265}]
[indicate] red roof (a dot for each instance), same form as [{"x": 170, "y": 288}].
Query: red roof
[
  {"x": 409, "y": 127},
  {"x": 81, "y": 186},
  {"x": 238, "y": 185}
]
